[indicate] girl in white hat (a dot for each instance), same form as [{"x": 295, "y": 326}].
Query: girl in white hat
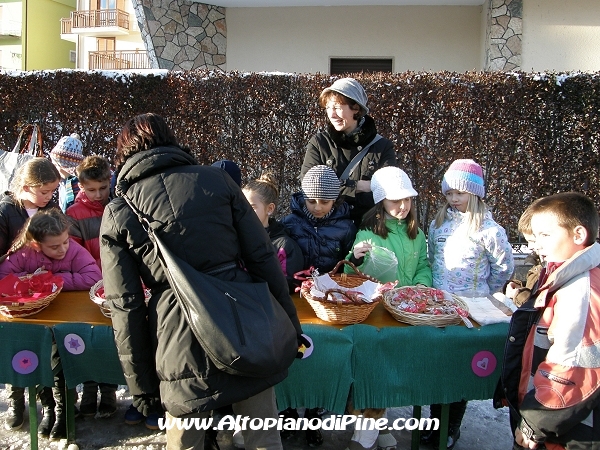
[{"x": 391, "y": 224}]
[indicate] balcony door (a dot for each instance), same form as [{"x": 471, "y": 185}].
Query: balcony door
[
  {"x": 106, "y": 44},
  {"x": 106, "y": 11}
]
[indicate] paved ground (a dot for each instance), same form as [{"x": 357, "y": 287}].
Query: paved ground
[{"x": 483, "y": 429}]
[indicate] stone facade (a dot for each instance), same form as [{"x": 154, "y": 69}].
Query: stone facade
[
  {"x": 504, "y": 35},
  {"x": 183, "y": 35}
]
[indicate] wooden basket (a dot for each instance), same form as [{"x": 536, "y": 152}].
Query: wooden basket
[
  {"x": 434, "y": 320},
  {"x": 103, "y": 304},
  {"x": 16, "y": 309},
  {"x": 335, "y": 311}
]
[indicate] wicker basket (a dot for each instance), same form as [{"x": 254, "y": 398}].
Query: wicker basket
[
  {"x": 336, "y": 311},
  {"x": 103, "y": 304},
  {"x": 24, "y": 309},
  {"x": 435, "y": 320}
]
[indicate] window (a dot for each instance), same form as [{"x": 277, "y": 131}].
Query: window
[
  {"x": 348, "y": 65},
  {"x": 106, "y": 44}
]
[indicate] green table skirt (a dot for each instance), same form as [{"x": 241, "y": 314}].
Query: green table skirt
[{"x": 394, "y": 366}]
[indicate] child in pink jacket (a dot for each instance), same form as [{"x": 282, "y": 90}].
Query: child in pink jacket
[{"x": 45, "y": 244}]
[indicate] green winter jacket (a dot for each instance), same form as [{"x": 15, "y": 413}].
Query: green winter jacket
[{"x": 413, "y": 266}]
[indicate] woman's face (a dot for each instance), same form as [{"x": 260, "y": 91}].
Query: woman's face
[
  {"x": 318, "y": 207},
  {"x": 341, "y": 116},
  {"x": 397, "y": 208},
  {"x": 38, "y": 196}
]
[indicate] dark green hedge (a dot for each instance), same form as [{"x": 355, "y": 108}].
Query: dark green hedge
[{"x": 534, "y": 134}]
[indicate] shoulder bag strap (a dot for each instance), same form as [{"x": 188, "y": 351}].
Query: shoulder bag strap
[{"x": 350, "y": 168}]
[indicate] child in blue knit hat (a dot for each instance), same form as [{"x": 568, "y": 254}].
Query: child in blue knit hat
[
  {"x": 66, "y": 155},
  {"x": 469, "y": 253}
]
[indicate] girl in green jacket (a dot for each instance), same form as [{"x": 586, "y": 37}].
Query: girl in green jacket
[{"x": 391, "y": 224}]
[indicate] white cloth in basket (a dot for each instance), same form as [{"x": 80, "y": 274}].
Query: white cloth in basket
[{"x": 323, "y": 283}]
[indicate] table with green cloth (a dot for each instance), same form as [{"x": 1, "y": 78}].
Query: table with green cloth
[
  {"x": 389, "y": 364},
  {"x": 383, "y": 362},
  {"x": 83, "y": 338}
]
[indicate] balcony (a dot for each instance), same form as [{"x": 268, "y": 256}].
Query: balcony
[
  {"x": 119, "y": 60},
  {"x": 10, "y": 29},
  {"x": 98, "y": 22}
]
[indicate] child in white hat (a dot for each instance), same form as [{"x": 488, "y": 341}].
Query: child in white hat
[
  {"x": 391, "y": 224},
  {"x": 66, "y": 155}
]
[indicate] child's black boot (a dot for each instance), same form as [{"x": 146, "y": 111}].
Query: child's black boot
[
  {"x": 16, "y": 407},
  {"x": 314, "y": 438},
  {"x": 48, "y": 417}
]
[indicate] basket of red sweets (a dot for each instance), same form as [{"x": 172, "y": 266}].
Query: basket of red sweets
[
  {"x": 342, "y": 298},
  {"x": 97, "y": 296},
  {"x": 418, "y": 305},
  {"x": 28, "y": 295}
]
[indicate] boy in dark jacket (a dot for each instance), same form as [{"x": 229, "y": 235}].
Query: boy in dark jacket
[{"x": 319, "y": 222}]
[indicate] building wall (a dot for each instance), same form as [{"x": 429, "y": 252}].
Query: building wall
[
  {"x": 44, "y": 47},
  {"x": 10, "y": 46},
  {"x": 561, "y": 35},
  {"x": 302, "y": 39}
]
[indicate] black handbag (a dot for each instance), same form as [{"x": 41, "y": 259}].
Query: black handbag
[{"x": 242, "y": 328}]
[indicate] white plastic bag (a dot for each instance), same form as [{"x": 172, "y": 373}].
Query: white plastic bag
[{"x": 381, "y": 264}]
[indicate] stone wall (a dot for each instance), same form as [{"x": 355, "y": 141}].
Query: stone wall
[
  {"x": 183, "y": 35},
  {"x": 504, "y": 35}
]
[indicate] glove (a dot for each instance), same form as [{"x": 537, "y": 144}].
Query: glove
[
  {"x": 148, "y": 404},
  {"x": 305, "y": 346}
]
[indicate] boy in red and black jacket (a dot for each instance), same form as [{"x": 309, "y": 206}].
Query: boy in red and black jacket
[{"x": 551, "y": 364}]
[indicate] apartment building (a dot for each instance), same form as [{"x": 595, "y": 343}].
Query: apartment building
[
  {"x": 106, "y": 35},
  {"x": 30, "y": 35}
]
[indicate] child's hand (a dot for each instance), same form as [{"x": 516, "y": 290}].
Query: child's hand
[
  {"x": 511, "y": 289},
  {"x": 361, "y": 249}
]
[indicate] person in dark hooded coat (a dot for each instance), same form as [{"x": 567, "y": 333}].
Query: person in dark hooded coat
[
  {"x": 349, "y": 131},
  {"x": 207, "y": 222}
]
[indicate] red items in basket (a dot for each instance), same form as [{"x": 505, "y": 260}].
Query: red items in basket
[
  {"x": 28, "y": 295},
  {"x": 29, "y": 288}
]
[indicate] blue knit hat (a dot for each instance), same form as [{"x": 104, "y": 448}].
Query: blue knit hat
[
  {"x": 464, "y": 175},
  {"x": 321, "y": 182},
  {"x": 231, "y": 168}
]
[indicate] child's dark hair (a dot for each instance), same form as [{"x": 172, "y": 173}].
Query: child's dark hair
[
  {"x": 50, "y": 222},
  {"x": 34, "y": 173},
  {"x": 374, "y": 220},
  {"x": 572, "y": 209},
  {"x": 93, "y": 168},
  {"x": 265, "y": 187}
]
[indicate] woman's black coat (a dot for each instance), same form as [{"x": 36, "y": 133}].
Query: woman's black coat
[{"x": 207, "y": 221}]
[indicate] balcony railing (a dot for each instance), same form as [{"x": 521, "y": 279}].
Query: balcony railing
[
  {"x": 121, "y": 59},
  {"x": 100, "y": 18},
  {"x": 65, "y": 26}
]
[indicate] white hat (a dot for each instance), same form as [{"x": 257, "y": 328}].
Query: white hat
[
  {"x": 351, "y": 89},
  {"x": 391, "y": 183}
]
